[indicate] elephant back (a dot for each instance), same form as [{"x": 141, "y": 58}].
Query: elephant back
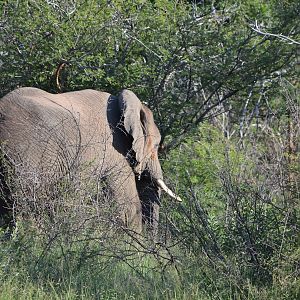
[{"x": 54, "y": 132}]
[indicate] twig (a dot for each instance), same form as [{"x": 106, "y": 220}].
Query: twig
[{"x": 280, "y": 36}]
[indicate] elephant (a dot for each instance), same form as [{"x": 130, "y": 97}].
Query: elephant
[{"x": 112, "y": 138}]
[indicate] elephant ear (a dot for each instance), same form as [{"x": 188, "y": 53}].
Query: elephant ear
[{"x": 131, "y": 107}]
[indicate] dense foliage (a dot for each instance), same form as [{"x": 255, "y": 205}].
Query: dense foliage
[{"x": 222, "y": 80}]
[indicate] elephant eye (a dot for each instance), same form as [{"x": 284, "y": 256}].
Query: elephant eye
[{"x": 156, "y": 146}]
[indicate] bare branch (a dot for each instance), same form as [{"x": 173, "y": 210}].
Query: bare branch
[{"x": 285, "y": 38}]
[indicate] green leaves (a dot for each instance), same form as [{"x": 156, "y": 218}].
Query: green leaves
[{"x": 184, "y": 59}]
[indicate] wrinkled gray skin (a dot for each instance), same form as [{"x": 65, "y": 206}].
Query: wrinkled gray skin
[{"x": 50, "y": 134}]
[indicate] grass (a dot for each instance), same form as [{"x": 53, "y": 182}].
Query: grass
[
  {"x": 59, "y": 274},
  {"x": 123, "y": 286}
]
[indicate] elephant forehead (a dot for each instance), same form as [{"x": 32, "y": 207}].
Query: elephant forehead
[
  {"x": 153, "y": 134},
  {"x": 151, "y": 126}
]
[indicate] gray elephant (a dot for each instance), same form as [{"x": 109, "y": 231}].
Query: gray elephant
[{"x": 112, "y": 139}]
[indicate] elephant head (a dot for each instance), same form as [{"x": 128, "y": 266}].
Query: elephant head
[{"x": 138, "y": 122}]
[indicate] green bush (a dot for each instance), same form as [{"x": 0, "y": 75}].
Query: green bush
[{"x": 236, "y": 217}]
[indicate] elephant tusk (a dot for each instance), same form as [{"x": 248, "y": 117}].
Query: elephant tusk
[
  {"x": 167, "y": 190},
  {"x": 138, "y": 171}
]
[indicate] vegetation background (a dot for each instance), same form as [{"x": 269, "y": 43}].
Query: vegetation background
[{"x": 222, "y": 78}]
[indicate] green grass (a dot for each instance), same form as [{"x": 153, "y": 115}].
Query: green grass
[
  {"x": 125, "y": 286},
  {"x": 27, "y": 272}
]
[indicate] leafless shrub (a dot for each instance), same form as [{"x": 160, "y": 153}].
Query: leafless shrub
[
  {"x": 76, "y": 213},
  {"x": 242, "y": 220}
]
